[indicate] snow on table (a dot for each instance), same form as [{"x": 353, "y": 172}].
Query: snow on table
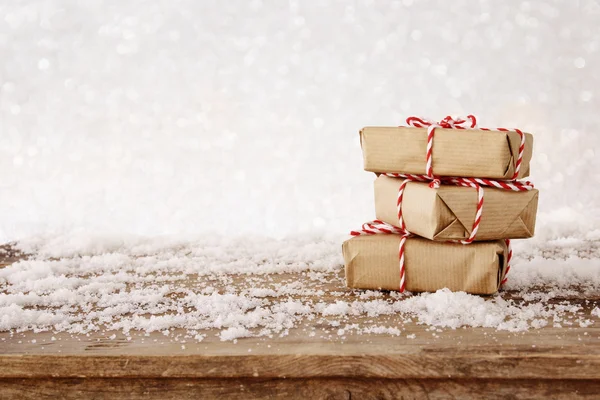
[
  {"x": 188, "y": 289},
  {"x": 216, "y": 308}
]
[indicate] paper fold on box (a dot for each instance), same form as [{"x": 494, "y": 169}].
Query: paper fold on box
[
  {"x": 448, "y": 212},
  {"x": 456, "y": 152},
  {"x": 372, "y": 263}
]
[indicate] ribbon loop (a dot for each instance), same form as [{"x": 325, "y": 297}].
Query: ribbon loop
[{"x": 448, "y": 122}]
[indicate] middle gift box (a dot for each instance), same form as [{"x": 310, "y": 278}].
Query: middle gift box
[{"x": 448, "y": 212}]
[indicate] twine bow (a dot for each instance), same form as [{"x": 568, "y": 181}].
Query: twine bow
[{"x": 470, "y": 122}]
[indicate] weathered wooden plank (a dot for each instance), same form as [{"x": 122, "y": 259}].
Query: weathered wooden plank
[
  {"x": 131, "y": 388},
  {"x": 568, "y": 340},
  {"x": 421, "y": 363},
  {"x": 460, "y": 364}
]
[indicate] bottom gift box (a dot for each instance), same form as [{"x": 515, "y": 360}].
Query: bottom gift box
[{"x": 372, "y": 263}]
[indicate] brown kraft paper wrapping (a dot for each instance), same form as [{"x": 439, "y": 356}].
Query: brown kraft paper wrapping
[
  {"x": 448, "y": 213},
  {"x": 372, "y": 263},
  {"x": 456, "y": 152}
]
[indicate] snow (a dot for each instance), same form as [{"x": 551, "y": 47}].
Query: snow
[
  {"x": 234, "y": 333},
  {"x": 454, "y": 310},
  {"x": 260, "y": 287}
]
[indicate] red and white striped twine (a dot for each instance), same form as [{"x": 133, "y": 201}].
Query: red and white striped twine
[
  {"x": 450, "y": 123},
  {"x": 377, "y": 227},
  {"x": 380, "y": 227}
]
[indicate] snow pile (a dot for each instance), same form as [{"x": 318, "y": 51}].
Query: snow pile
[
  {"x": 259, "y": 287},
  {"x": 454, "y": 310}
]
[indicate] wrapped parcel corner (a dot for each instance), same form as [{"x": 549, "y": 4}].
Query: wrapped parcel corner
[
  {"x": 448, "y": 212},
  {"x": 371, "y": 262},
  {"x": 456, "y": 152}
]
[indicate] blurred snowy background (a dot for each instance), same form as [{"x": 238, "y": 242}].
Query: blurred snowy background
[{"x": 239, "y": 117}]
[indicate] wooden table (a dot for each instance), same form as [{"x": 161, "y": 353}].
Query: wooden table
[{"x": 436, "y": 364}]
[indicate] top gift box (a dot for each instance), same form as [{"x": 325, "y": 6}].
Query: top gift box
[{"x": 456, "y": 152}]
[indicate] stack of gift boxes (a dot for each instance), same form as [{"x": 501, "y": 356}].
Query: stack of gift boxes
[{"x": 423, "y": 240}]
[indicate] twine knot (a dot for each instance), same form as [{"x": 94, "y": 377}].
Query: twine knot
[
  {"x": 435, "y": 183},
  {"x": 470, "y": 122}
]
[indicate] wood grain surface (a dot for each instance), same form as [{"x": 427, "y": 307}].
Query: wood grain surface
[
  {"x": 437, "y": 364},
  {"x": 324, "y": 388}
]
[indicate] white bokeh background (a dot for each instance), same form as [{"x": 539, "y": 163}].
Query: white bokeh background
[{"x": 236, "y": 117}]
